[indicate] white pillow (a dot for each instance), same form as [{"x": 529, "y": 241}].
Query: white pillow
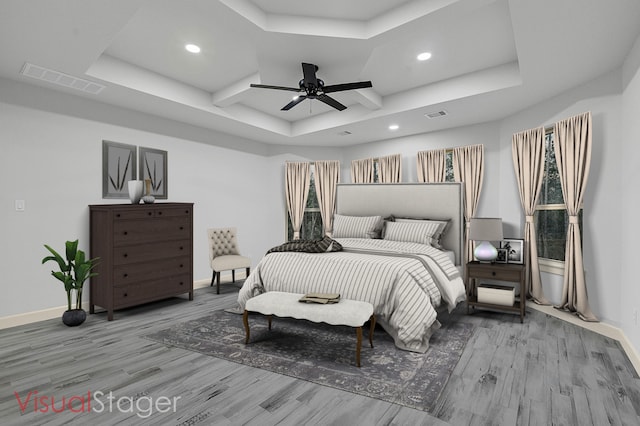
[
  {"x": 437, "y": 235},
  {"x": 414, "y": 232},
  {"x": 356, "y": 226}
]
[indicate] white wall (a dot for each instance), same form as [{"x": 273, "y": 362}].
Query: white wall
[
  {"x": 628, "y": 159},
  {"x": 52, "y": 158}
]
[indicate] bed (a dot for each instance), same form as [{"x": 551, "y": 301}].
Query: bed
[{"x": 404, "y": 266}]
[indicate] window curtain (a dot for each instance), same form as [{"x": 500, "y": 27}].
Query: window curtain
[
  {"x": 390, "y": 168},
  {"x": 528, "y": 152},
  {"x": 432, "y": 165},
  {"x": 573, "y": 155},
  {"x": 327, "y": 176},
  {"x": 468, "y": 168},
  {"x": 297, "y": 190},
  {"x": 362, "y": 171}
]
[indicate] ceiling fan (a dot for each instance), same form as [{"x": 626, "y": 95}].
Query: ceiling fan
[{"x": 314, "y": 88}]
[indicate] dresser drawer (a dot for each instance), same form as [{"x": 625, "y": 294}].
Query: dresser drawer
[
  {"x": 151, "y": 290},
  {"x": 495, "y": 273},
  {"x": 124, "y": 255},
  {"x": 136, "y": 272},
  {"x": 146, "y": 212},
  {"x": 147, "y": 231}
]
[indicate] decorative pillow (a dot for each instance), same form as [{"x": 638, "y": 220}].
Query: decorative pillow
[
  {"x": 437, "y": 236},
  {"x": 414, "y": 232},
  {"x": 357, "y": 226}
]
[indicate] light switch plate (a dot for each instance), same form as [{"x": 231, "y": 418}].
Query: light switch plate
[{"x": 19, "y": 205}]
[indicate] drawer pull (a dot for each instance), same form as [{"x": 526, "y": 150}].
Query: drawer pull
[
  {"x": 159, "y": 213},
  {"x": 117, "y": 214},
  {"x": 124, "y": 295},
  {"x": 181, "y": 265},
  {"x": 181, "y": 248},
  {"x": 181, "y": 228},
  {"x": 493, "y": 273},
  {"x": 125, "y": 233},
  {"x": 181, "y": 283},
  {"x": 150, "y": 213},
  {"x": 125, "y": 255},
  {"x": 125, "y": 275}
]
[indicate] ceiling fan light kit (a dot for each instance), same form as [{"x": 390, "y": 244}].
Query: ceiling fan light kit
[{"x": 313, "y": 88}]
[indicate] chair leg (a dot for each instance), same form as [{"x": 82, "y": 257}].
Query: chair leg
[
  {"x": 248, "y": 272},
  {"x": 218, "y": 288},
  {"x": 233, "y": 275},
  {"x": 213, "y": 278}
]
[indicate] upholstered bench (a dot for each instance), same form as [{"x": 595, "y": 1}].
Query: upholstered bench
[{"x": 350, "y": 313}]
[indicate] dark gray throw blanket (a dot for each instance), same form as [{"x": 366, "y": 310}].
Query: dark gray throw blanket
[{"x": 308, "y": 246}]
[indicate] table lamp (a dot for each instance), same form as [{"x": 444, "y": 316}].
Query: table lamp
[{"x": 485, "y": 229}]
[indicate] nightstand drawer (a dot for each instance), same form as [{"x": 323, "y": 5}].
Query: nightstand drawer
[{"x": 496, "y": 274}]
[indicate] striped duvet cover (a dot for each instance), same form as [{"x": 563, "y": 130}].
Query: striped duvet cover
[{"x": 404, "y": 290}]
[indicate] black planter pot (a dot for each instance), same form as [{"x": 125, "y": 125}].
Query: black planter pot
[{"x": 74, "y": 317}]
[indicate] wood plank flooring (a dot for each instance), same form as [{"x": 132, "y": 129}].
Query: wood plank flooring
[{"x": 542, "y": 372}]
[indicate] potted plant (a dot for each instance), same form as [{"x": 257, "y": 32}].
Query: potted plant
[{"x": 74, "y": 271}]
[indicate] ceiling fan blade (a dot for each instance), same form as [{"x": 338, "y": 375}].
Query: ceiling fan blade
[
  {"x": 309, "y": 71},
  {"x": 331, "y": 102},
  {"x": 293, "y": 103},
  {"x": 347, "y": 86},
  {"x": 266, "y": 86}
]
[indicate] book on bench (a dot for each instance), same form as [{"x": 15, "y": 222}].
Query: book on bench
[{"x": 322, "y": 298}]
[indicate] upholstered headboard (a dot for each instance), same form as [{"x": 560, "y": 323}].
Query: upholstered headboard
[{"x": 416, "y": 200}]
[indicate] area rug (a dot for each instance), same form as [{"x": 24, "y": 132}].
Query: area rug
[{"x": 325, "y": 354}]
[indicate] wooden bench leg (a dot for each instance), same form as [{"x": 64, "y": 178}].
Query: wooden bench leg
[
  {"x": 245, "y": 320},
  {"x": 358, "y": 344},
  {"x": 373, "y": 326}
]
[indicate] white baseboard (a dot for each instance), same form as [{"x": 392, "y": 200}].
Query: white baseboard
[
  {"x": 597, "y": 327},
  {"x": 30, "y": 317}
]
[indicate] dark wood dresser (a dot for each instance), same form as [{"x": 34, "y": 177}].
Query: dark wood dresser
[{"x": 145, "y": 251}]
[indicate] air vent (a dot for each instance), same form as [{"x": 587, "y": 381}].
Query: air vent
[
  {"x": 436, "y": 114},
  {"x": 344, "y": 133},
  {"x": 61, "y": 79}
]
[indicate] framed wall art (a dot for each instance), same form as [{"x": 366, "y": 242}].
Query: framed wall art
[
  {"x": 153, "y": 166},
  {"x": 514, "y": 249},
  {"x": 118, "y": 167},
  {"x": 502, "y": 255}
]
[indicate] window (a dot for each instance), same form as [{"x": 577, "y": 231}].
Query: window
[
  {"x": 311, "y": 228},
  {"x": 449, "y": 177},
  {"x": 551, "y": 218}
]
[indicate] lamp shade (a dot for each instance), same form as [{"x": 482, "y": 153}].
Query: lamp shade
[{"x": 485, "y": 229}]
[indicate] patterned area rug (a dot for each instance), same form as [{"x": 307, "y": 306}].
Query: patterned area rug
[{"x": 325, "y": 354}]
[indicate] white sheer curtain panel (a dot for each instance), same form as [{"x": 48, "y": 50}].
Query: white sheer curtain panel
[
  {"x": 327, "y": 177},
  {"x": 362, "y": 171},
  {"x": 432, "y": 165},
  {"x": 573, "y": 155},
  {"x": 297, "y": 190},
  {"x": 468, "y": 168},
  {"x": 528, "y": 152},
  {"x": 390, "y": 169}
]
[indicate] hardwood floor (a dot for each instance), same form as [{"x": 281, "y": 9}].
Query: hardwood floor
[{"x": 542, "y": 372}]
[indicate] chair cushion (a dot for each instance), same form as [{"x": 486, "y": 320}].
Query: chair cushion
[
  {"x": 233, "y": 261},
  {"x": 222, "y": 242}
]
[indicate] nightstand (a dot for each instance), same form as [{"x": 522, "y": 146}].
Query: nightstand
[{"x": 510, "y": 272}]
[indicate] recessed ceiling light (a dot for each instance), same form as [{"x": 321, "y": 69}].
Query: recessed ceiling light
[
  {"x": 424, "y": 56},
  {"x": 394, "y": 127},
  {"x": 192, "y": 48}
]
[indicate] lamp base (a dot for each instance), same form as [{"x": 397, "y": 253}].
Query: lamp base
[{"x": 485, "y": 252}]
